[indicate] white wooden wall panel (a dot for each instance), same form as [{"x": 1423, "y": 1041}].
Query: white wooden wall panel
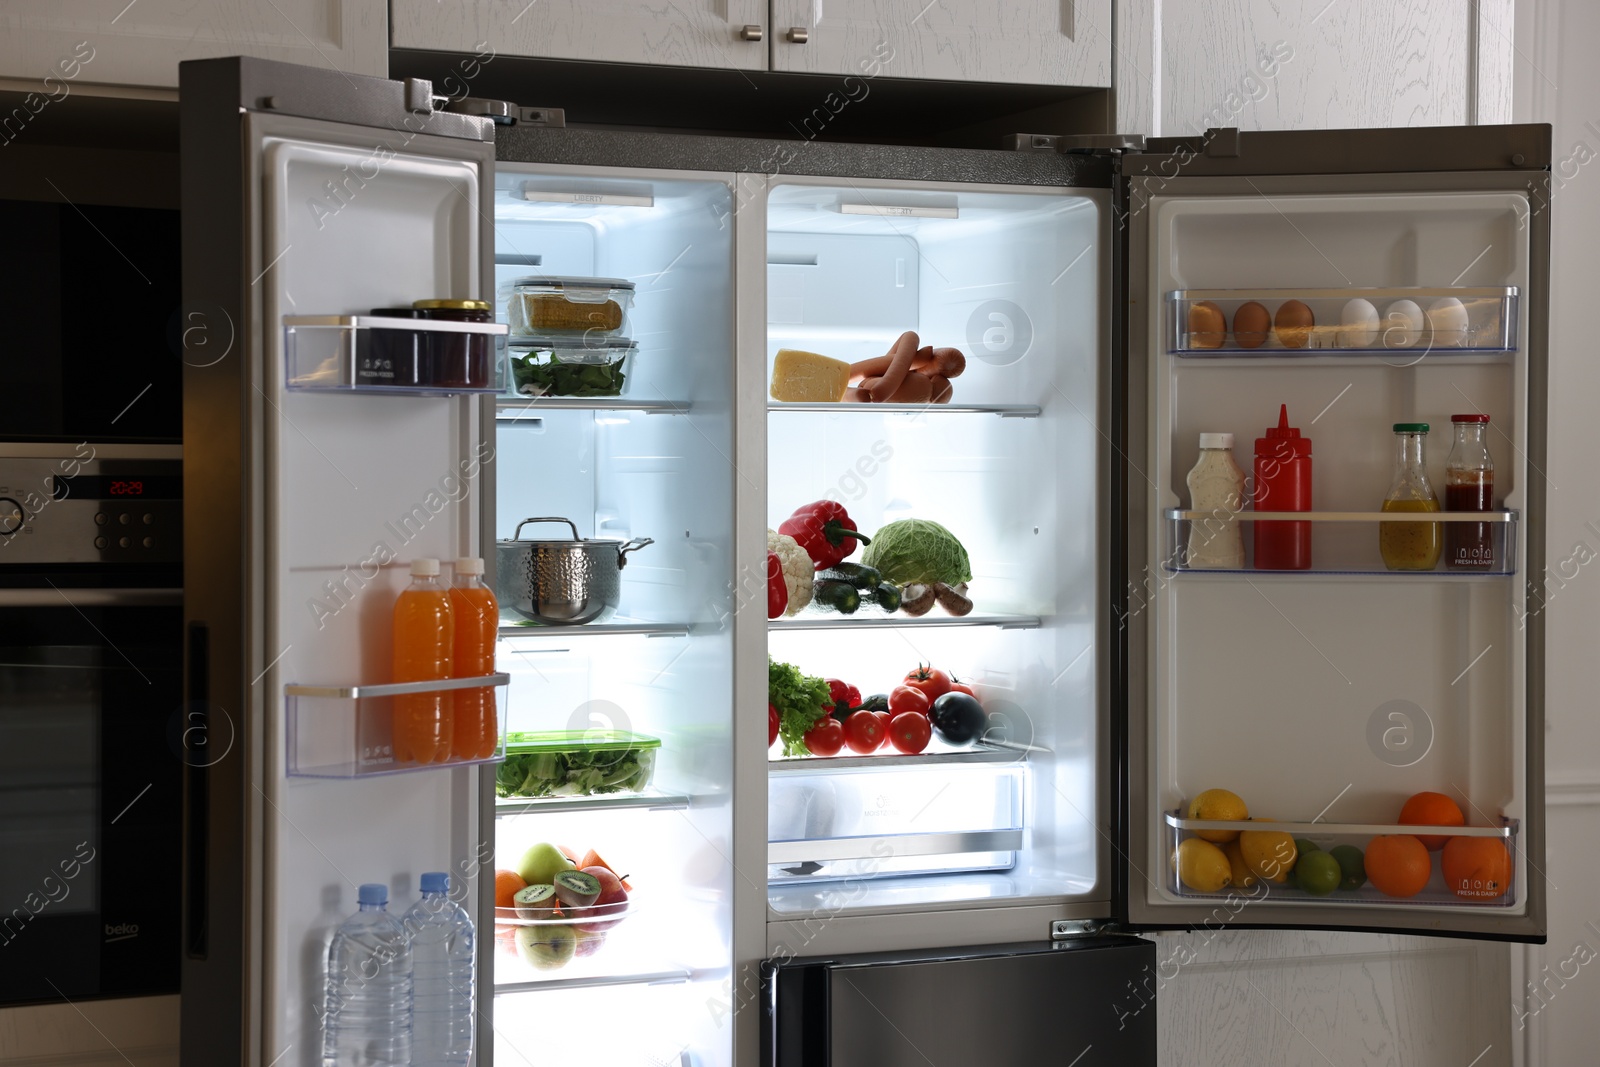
[
  {"x": 91, "y": 1033},
  {"x": 1038, "y": 42},
  {"x": 679, "y": 33},
  {"x": 141, "y": 43}
]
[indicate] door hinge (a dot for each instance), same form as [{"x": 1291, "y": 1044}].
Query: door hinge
[
  {"x": 505, "y": 113},
  {"x": 1062, "y": 929},
  {"x": 1073, "y": 142}
]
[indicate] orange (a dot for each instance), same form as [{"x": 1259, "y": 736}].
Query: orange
[
  {"x": 1398, "y": 865},
  {"x": 1431, "y": 809},
  {"x": 1476, "y": 868},
  {"x": 567, "y": 852},
  {"x": 506, "y": 884}
]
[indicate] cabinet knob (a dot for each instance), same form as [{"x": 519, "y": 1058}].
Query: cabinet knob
[
  {"x": 798, "y": 35},
  {"x": 750, "y": 33}
]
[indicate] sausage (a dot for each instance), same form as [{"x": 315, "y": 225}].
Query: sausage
[
  {"x": 946, "y": 362},
  {"x": 915, "y": 389},
  {"x": 941, "y": 387},
  {"x": 899, "y": 365},
  {"x": 869, "y": 368}
]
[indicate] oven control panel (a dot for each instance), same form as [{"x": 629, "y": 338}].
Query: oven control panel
[{"x": 85, "y": 503}]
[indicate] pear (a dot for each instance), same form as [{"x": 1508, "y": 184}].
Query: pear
[{"x": 541, "y": 863}]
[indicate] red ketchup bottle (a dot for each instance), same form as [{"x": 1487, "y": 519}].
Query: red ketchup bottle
[{"x": 1283, "y": 483}]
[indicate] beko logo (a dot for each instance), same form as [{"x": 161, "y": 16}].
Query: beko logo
[{"x": 121, "y": 931}]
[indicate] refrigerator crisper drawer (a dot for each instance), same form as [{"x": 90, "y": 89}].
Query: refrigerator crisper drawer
[{"x": 876, "y": 816}]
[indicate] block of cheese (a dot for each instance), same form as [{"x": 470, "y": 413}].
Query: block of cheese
[{"x": 805, "y": 377}]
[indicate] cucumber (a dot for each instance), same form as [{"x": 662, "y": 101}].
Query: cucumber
[
  {"x": 839, "y": 596},
  {"x": 887, "y": 597},
  {"x": 856, "y": 574}
]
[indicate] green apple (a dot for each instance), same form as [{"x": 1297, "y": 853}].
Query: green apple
[
  {"x": 546, "y": 948},
  {"x": 541, "y": 863}
]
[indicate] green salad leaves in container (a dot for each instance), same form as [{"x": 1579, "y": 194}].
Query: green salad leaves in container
[
  {"x": 576, "y": 368},
  {"x": 576, "y": 763}
]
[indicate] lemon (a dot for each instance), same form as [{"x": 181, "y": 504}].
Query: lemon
[
  {"x": 1222, "y": 806},
  {"x": 1242, "y": 876},
  {"x": 1268, "y": 853},
  {"x": 1202, "y": 866}
]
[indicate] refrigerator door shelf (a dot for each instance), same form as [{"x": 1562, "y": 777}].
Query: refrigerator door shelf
[
  {"x": 338, "y": 353},
  {"x": 1347, "y": 542},
  {"x": 1489, "y": 883},
  {"x": 1402, "y": 324},
  {"x": 346, "y": 731}
]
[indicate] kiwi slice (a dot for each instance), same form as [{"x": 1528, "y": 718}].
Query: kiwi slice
[
  {"x": 535, "y": 901},
  {"x": 577, "y": 890}
]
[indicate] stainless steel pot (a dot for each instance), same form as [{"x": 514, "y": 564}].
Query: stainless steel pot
[{"x": 562, "y": 583}]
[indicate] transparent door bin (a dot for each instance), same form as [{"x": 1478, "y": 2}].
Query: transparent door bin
[
  {"x": 1346, "y": 542},
  {"x": 1398, "y": 324},
  {"x": 347, "y": 731},
  {"x": 407, "y": 357},
  {"x": 832, "y": 819},
  {"x": 1475, "y": 891}
]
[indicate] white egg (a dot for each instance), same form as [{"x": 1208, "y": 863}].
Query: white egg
[
  {"x": 1402, "y": 324},
  {"x": 1358, "y": 324},
  {"x": 1448, "y": 320}
]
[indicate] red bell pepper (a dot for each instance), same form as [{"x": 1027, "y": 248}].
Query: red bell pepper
[
  {"x": 825, "y": 531},
  {"x": 777, "y": 588}
]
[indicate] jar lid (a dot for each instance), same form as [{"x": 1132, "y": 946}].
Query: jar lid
[
  {"x": 1469, "y": 418},
  {"x": 1216, "y": 440},
  {"x": 452, "y": 305},
  {"x": 397, "y": 313},
  {"x": 574, "y": 283},
  {"x": 1410, "y": 427}
]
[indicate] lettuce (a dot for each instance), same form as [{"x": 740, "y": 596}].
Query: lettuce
[{"x": 574, "y": 773}]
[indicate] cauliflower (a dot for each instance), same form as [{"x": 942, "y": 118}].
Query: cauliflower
[{"x": 797, "y": 569}]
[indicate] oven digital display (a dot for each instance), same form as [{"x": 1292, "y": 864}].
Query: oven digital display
[{"x": 118, "y": 487}]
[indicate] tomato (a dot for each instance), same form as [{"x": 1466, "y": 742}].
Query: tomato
[
  {"x": 909, "y": 732},
  {"x": 825, "y": 738},
  {"x": 933, "y": 682},
  {"x": 883, "y": 719},
  {"x": 962, "y": 687},
  {"x": 773, "y": 722},
  {"x": 905, "y": 698},
  {"x": 863, "y": 732}
]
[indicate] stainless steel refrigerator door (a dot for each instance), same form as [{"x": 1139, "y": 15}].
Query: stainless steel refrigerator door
[{"x": 1319, "y": 198}]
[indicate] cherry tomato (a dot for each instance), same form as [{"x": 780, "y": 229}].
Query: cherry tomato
[
  {"x": 825, "y": 738},
  {"x": 931, "y": 680},
  {"x": 905, "y": 698},
  {"x": 883, "y": 720},
  {"x": 863, "y": 732},
  {"x": 909, "y": 732},
  {"x": 773, "y": 722},
  {"x": 962, "y": 687}
]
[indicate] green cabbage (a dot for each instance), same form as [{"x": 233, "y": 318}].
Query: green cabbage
[{"x": 917, "y": 550}]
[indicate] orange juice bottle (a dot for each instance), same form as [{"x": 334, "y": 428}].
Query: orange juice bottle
[
  {"x": 477, "y": 624},
  {"x": 423, "y": 635}
]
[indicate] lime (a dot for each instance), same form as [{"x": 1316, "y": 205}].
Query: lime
[
  {"x": 1352, "y": 866},
  {"x": 1318, "y": 873},
  {"x": 1302, "y": 845}
]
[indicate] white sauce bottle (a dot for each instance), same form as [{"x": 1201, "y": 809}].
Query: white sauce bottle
[{"x": 1216, "y": 486}]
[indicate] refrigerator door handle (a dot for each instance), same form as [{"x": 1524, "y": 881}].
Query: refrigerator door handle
[{"x": 197, "y": 792}]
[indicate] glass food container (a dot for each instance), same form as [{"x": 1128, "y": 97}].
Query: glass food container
[
  {"x": 594, "y": 308},
  {"x": 458, "y": 360},
  {"x": 580, "y": 368},
  {"x": 576, "y": 763}
]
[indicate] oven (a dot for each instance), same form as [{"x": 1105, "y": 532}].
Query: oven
[{"x": 92, "y": 735}]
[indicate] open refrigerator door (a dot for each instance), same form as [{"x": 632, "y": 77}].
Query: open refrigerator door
[{"x": 1324, "y": 667}]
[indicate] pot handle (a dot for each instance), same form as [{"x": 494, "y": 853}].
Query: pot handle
[
  {"x": 517, "y": 534},
  {"x": 632, "y": 546}
]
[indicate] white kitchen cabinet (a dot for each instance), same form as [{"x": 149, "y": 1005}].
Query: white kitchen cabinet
[
  {"x": 729, "y": 34},
  {"x": 1031, "y": 42},
  {"x": 141, "y": 43}
]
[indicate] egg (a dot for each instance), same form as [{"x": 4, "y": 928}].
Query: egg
[
  {"x": 1358, "y": 324},
  {"x": 1293, "y": 324},
  {"x": 1251, "y": 324},
  {"x": 1447, "y": 318},
  {"x": 1208, "y": 327},
  {"x": 1402, "y": 324}
]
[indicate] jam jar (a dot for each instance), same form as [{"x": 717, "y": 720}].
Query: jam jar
[{"x": 458, "y": 360}]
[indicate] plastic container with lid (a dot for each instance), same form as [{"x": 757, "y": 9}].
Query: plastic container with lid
[
  {"x": 576, "y": 763},
  {"x": 1283, "y": 483},
  {"x": 569, "y": 307},
  {"x": 585, "y": 367},
  {"x": 458, "y": 360}
]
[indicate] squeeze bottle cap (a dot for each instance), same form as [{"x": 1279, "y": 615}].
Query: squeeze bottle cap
[
  {"x": 424, "y": 568},
  {"x": 1283, "y": 439},
  {"x": 1216, "y": 440},
  {"x": 469, "y": 565},
  {"x": 435, "y": 882},
  {"x": 373, "y": 894}
]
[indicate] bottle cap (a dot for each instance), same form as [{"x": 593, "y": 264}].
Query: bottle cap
[
  {"x": 424, "y": 568},
  {"x": 435, "y": 882},
  {"x": 1216, "y": 440},
  {"x": 1410, "y": 427},
  {"x": 469, "y": 565},
  {"x": 1283, "y": 440},
  {"x": 373, "y": 893},
  {"x": 1469, "y": 418}
]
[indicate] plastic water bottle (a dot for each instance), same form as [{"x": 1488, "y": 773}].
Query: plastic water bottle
[
  {"x": 443, "y": 950},
  {"x": 367, "y": 1006}
]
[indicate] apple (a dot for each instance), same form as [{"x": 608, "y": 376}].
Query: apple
[
  {"x": 611, "y": 893},
  {"x": 546, "y": 948},
  {"x": 589, "y": 941},
  {"x": 541, "y": 863},
  {"x": 505, "y": 939}
]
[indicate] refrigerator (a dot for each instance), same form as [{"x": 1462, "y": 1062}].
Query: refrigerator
[{"x": 789, "y": 909}]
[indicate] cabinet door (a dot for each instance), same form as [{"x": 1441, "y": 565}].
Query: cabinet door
[
  {"x": 1030, "y": 42},
  {"x": 142, "y": 43},
  {"x": 696, "y": 33}
]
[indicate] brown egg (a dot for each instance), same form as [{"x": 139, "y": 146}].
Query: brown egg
[
  {"x": 1293, "y": 324},
  {"x": 1208, "y": 326},
  {"x": 1251, "y": 324}
]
